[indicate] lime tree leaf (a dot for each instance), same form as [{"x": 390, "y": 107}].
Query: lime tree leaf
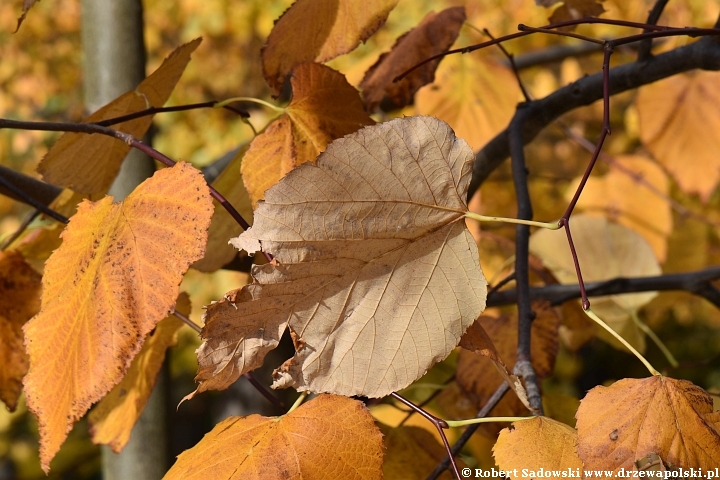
[
  {"x": 327, "y": 437},
  {"x": 633, "y": 418},
  {"x": 115, "y": 276},
  {"x": 375, "y": 273},
  {"x": 89, "y": 163},
  {"x": 435, "y": 34},
  {"x": 318, "y": 31}
]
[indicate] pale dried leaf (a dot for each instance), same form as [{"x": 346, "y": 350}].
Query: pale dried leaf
[
  {"x": 435, "y": 34},
  {"x": 375, "y": 272}
]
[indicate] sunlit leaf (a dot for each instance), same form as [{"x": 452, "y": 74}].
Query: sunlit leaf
[
  {"x": 19, "y": 301},
  {"x": 324, "y": 107},
  {"x": 375, "y": 272},
  {"x": 476, "y": 97},
  {"x": 435, "y": 34},
  {"x": 317, "y": 31},
  {"x": 112, "y": 420},
  {"x": 678, "y": 120},
  {"x": 411, "y": 453},
  {"x": 634, "y": 418},
  {"x": 605, "y": 250},
  {"x": 89, "y": 163},
  {"x": 114, "y": 278},
  {"x": 538, "y": 443},
  {"x": 327, "y": 437}
]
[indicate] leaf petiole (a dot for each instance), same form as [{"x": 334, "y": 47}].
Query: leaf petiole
[
  {"x": 249, "y": 99},
  {"x": 299, "y": 401},
  {"x": 663, "y": 348},
  {"x": 620, "y": 339},
  {"x": 484, "y": 218},
  {"x": 470, "y": 421}
]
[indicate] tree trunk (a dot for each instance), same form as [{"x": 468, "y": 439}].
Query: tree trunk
[{"x": 114, "y": 54}]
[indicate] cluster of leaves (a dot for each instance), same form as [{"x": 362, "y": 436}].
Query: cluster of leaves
[{"x": 373, "y": 270}]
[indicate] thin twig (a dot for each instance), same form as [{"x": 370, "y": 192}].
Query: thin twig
[
  {"x": 32, "y": 201},
  {"x": 179, "y": 108},
  {"x": 560, "y": 33},
  {"x": 511, "y": 60},
  {"x": 23, "y": 226}
]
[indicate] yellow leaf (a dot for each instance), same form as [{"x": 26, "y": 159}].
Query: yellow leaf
[
  {"x": 116, "y": 275},
  {"x": 411, "y": 453},
  {"x": 605, "y": 250},
  {"x": 435, "y": 34},
  {"x": 89, "y": 163},
  {"x": 19, "y": 301},
  {"x": 317, "y": 31},
  {"x": 223, "y": 226},
  {"x": 367, "y": 242},
  {"x": 679, "y": 121},
  {"x": 112, "y": 420},
  {"x": 538, "y": 443},
  {"x": 635, "y": 418},
  {"x": 619, "y": 196},
  {"x": 292, "y": 446},
  {"x": 476, "y": 97},
  {"x": 324, "y": 107}
]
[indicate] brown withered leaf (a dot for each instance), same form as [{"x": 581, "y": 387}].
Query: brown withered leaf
[
  {"x": 576, "y": 9},
  {"x": 27, "y": 5},
  {"x": 317, "y": 31},
  {"x": 677, "y": 118},
  {"x": 635, "y": 418},
  {"x": 112, "y": 420},
  {"x": 537, "y": 443},
  {"x": 435, "y": 34},
  {"x": 115, "y": 276},
  {"x": 223, "y": 226},
  {"x": 411, "y": 453},
  {"x": 324, "y": 107},
  {"x": 89, "y": 163},
  {"x": 292, "y": 446},
  {"x": 375, "y": 272},
  {"x": 19, "y": 301}
]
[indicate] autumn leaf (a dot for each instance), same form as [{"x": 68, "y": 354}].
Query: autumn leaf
[
  {"x": 634, "y": 418},
  {"x": 324, "y": 107},
  {"x": 292, "y": 446},
  {"x": 537, "y": 443},
  {"x": 678, "y": 118},
  {"x": 411, "y": 453},
  {"x": 317, "y": 31},
  {"x": 112, "y": 420},
  {"x": 605, "y": 250},
  {"x": 27, "y": 5},
  {"x": 576, "y": 9},
  {"x": 375, "y": 272},
  {"x": 89, "y": 163},
  {"x": 476, "y": 97},
  {"x": 435, "y": 34},
  {"x": 19, "y": 301},
  {"x": 633, "y": 181},
  {"x": 223, "y": 226},
  {"x": 114, "y": 278}
]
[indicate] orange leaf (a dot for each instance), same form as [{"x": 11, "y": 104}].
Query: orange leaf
[
  {"x": 223, "y": 226},
  {"x": 476, "y": 97},
  {"x": 89, "y": 163},
  {"x": 114, "y": 278},
  {"x": 435, "y": 34},
  {"x": 411, "y": 453},
  {"x": 19, "y": 301},
  {"x": 329, "y": 437},
  {"x": 538, "y": 443},
  {"x": 635, "y": 418},
  {"x": 576, "y": 9},
  {"x": 324, "y": 107},
  {"x": 678, "y": 120},
  {"x": 317, "y": 31},
  {"x": 112, "y": 420}
]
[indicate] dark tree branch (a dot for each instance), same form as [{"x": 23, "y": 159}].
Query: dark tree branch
[
  {"x": 19, "y": 194},
  {"x": 703, "y": 54},
  {"x": 697, "y": 282},
  {"x": 646, "y": 45},
  {"x": 43, "y": 192}
]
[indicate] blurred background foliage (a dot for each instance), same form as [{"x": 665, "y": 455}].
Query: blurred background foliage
[{"x": 40, "y": 79}]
